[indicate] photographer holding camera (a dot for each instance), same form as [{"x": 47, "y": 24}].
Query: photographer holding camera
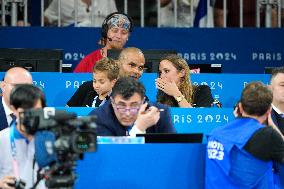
[
  {"x": 17, "y": 162},
  {"x": 242, "y": 154}
]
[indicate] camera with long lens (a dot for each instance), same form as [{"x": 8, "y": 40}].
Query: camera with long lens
[{"x": 61, "y": 138}]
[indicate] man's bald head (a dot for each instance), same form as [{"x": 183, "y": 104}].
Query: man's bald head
[
  {"x": 130, "y": 51},
  {"x": 131, "y": 62},
  {"x": 13, "y": 76}
]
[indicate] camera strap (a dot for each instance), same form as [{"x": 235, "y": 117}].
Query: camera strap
[{"x": 14, "y": 150}]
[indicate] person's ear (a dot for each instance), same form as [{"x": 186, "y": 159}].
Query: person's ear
[
  {"x": 16, "y": 111},
  {"x": 113, "y": 82},
  {"x": 2, "y": 85},
  {"x": 241, "y": 109},
  {"x": 269, "y": 87},
  {"x": 13, "y": 109},
  {"x": 182, "y": 73},
  {"x": 268, "y": 112}
]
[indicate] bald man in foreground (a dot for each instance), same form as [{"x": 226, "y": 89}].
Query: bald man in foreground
[{"x": 13, "y": 76}]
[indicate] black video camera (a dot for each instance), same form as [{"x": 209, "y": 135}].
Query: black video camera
[{"x": 60, "y": 140}]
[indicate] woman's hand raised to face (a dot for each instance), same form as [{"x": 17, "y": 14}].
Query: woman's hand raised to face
[{"x": 168, "y": 87}]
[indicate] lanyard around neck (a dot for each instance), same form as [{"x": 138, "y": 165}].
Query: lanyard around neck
[{"x": 14, "y": 150}]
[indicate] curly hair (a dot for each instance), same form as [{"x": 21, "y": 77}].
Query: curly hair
[
  {"x": 185, "y": 86},
  {"x": 109, "y": 66}
]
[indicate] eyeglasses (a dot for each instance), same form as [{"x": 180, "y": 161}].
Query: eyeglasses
[{"x": 124, "y": 109}]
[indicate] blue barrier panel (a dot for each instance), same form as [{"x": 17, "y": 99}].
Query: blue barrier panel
[
  {"x": 59, "y": 87},
  {"x": 185, "y": 120},
  {"x": 245, "y": 50},
  {"x": 228, "y": 87},
  {"x": 138, "y": 166},
  {"x": 200, "y": 120}
]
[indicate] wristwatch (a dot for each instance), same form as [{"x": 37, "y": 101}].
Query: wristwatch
[{"x": 179, "y": 98}]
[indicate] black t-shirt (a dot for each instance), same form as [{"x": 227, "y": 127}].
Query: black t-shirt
[
  {"x": 202, "y": 96},
  {"x": 84, "y": 96},
  {"x": 266, "y": 144},
  {"x": 78, "y": 98}
]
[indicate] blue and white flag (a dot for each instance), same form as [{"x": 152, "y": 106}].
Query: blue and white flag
[{"x": 204, "y": 14}]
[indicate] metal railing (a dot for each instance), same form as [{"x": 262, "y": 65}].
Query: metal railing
[
  {"x": 268, "y": 4},
  {"x": 10, "y": 7},
  {"x": 13, "y": 12}
]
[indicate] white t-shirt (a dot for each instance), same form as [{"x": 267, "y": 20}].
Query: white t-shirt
[
  {"x": 185, "y": 17},
  {"x": 101, "y": 9},
  {"x": 27, "y": 170}
]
